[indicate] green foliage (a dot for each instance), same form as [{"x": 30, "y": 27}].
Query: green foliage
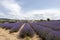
[{"x": 2, "y": 21}]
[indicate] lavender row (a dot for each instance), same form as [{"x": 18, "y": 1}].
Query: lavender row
[
  {"x": 11, "y": 25},
  {"x": 26, "y": 30},
  {"x": 49, "y": 22},
  {"x": 55, "y": 25},
  {"x": 54, "y": 35},
  {"x": 8, "y": 25},
  {"x": 16, "y": 27},
  {"x": 45, "y": 31},
  {"x": 41, "y": 30}
]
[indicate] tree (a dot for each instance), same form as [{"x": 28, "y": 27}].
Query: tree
[{"x": 48, "y": 19}]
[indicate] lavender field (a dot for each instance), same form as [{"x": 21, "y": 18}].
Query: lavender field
[
  {"x": 45, "y": 30},
  {"x": 29, "y": 19}
]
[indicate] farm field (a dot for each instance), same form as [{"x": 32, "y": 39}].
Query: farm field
[
  {"x": 29, "y": 19},
  {"x": 5, "y": 35},
  {"x": 46, "y": 30}
]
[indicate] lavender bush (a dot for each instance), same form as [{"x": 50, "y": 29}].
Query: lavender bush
[
  {"x": 8, "y": 25},
  {"x": 55, "y": 25},
  {"x": 54, "y": 22},
  {"x": 54, "y": 35},
  {"x": 16, "y": 27},
  {"x": 4, "y": 25},
  {"x": 26, "y": 30},
  {"x": 41, "y": 30}
]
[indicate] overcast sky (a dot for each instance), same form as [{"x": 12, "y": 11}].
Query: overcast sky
[{"x": 30, "y": 9}]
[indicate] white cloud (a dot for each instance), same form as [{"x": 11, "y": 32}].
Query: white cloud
[
  {"x": 16, "y": 12},
  {"x": 13, "y": 7},
  {"x": 45, "y": 11},
  {"x": 43, "y": 14}
]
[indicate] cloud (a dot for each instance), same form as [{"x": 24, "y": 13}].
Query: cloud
[
  {"x": 14, "y": 11},
  {"x": 13, "y": 7},
  {"x": 44, "y": 14}
]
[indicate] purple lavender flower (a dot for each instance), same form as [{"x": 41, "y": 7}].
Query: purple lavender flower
[
  {"x": 54, "y": 35},
  {"x": 26, "y": 30},
  {"x": 16, "y": 27}
]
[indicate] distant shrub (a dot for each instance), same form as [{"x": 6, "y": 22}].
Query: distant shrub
[
  {"x": 1, "y": 21},
  {"x": 41, "y": 19},
  {"x": 48, "y": 19}
]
